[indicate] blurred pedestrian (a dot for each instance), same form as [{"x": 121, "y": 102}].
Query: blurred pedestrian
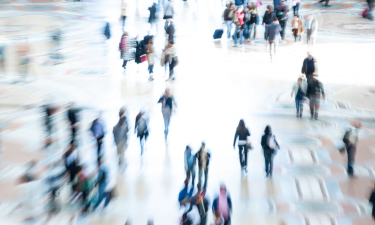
[
  {"x": 296, "y": 4},
  {"x": 185, "y": 194},
  {"x": 299, "y": 92},
  {"x": 49, "y": 110},
  {"x": 282, "y": 16},
  {"x": 247, "y": 24},
  {"x": 315, "y": 92},
  {"x": 201, "y": 203},
  {"x": 372, "y": 201},
  {"x": 297, "y": 28},
  {"x": 127, "y": 48},
  {"x": 97, "y": 129},
  {"x": 141, "y": 127},
  {"x": 120, "y": 134},
  {"x": 152, "y": 18},
  {"x": 124, "y": 6},
  {"x": 203, "y": 158},
  {"x": 169, "y": 30},
  {"x": 242, "y": 133},
  {"x": 167, "y": 102},
  {"x": 102, "y": 182},
  {"x": 55, "y": 179},
  {"x": 254, "y": 19},
  {"x": 311, "y": 26},
  {"x": 71, "y": 161},
  {"x": 73, "y": 119},
  {"x": 276, "y": 3},
  {"x": 268, "y": 19},
  {"x": 150, "y": 52},
  {"x": 168, "y": 11},
  {"x": 107, "y": 30},
  {"x": 237, "y": 20},
  {"x": 222, "y": 207},
  {"x": 327, "y": 2},
  {"x": 273, "y": 36},
  {"x": 189, "y": 162},
  {"x": 308, "y": 67},
  {"x": 351, "y": 142},
  {"x": 270, "y": 147},
  {"x": 169, "y": 57},
  {"x": 56, "y": 37},
  {"x": 228, "y": 16}
]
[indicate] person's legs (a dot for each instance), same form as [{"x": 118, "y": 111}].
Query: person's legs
[
  {"x": 316, "y": 107},
  {"x": 192, "y": 172},
  {"x": 312, "y": 105},
  {"x": 100, "y": 198},
  {"x": 299, "y": 38},
  {"x": 351, "y": 155},
  {"x": 265, "y": 31},
  {"x": 297, "y": 9},
  {"x": 123, "y": 22},
  {"x": 272, "y": 45},
  {"x": 228, "y": 222},
  {"x": 297, "y": 105},
  {"x": 107, "y": 196},
  {"x": 308, "y": 36},
  {"x": 235, "y": 36},
  {"x": 300, "y": 107},
  {"x": 167, "y": 119},
  {"x": 294, "y": 10},
  {"x": 276, "y": 43},
  {"x": 124, "y": 64},
  {"x": 229, "y": 28},
  {"x": 266, "y": 162},
  {"x": 240, "y": 150},
  {"x": 171, "y": 67},
  {"x": 205, "y": 178},
  {"x": 121, "y": 151},
  {"x": 142, "y": 142},
  {"x": 241, "y": 36},
  {"x": 200, "y": 176},
  {"x": 271, "y": 163},
  {"x": 245, "y": 155},
  {"x": 255, "y": 30},
  {"x": 283, "y": 27},
  {"x": 247, "y": 31}
]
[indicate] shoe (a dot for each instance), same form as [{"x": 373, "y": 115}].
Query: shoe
[
  {"x": 267, "y": 174},
  {"x": 245, "y": 169}
]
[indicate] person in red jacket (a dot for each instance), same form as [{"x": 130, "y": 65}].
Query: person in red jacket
[{"x": 238, "y": 21}]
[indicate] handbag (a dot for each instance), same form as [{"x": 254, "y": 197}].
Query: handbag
[
  {"x": 249, "y": 146},
  {"x": 235, "y": 20},
  {"x": 143, "y": 58}
]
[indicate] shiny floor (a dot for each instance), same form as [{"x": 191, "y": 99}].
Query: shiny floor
[{"x": 216, "y": 85}]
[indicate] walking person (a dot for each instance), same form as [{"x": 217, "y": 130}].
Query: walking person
[
  {"x": 254, "y": 19},
  {"x": 120, "y": 134},
  {"x": 124, "y": 6},
  {"x": 238, "y": 22},
  {"x": 127, "y": 48},
  {"x": 327, "y": 2},
  {"x": 73, "y": 119},
  {"x": 168, "y": 12},
  {"x": 311, "y": 26},
  {"x": 166, "y": 108},
  {"x": 299, "y": 92},
  {"x": 351, "y": 142},
  {"x": 152, "y": 17},
  {"x": 150, "y": 52},
  {"x": 141, "y": 128},
  {"x": 102, "y": 182},
  {"x": 169, "y": 30},
  {"x": 247, "y": 24},
  {"x": 282, "y": 15},
  {"x": 228, "y": 16},
  {"x": 242, "y": 133},
  {"x": 203, "y": 158},
  {"x": 296, "y": 4},
  {"x": 97, "y": 129},
  {"x": 372, "y": 201},
  {"x": 222, "y": 207},
  {"x": 268, "y": 19},
  {"x": 169, "y": 58},
  {"x": 315, "y": 92},
  {"x": 71, "y": 161},
  {"x": 189, "y": 162},
  {"x": 200, "y": 201},
  {"x": 273, "y": 36},
  {"x": 308, "y": 67},
  {"x": 297, "y": 28},
  {"x": 270, "y": 147}
]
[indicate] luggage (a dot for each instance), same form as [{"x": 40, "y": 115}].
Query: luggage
[
  {"x": 143, "y": 58},
  {"x": 218, "y": 33},
  {"x": 364, "y": 13}
]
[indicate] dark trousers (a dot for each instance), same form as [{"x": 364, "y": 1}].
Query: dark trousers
[
  {"x": 351, "y": 156},
  {"x": 74, "y": 132},
  {"x": 243, "y": 155},
  {"x": 151, "y": 69},
  {"x": 99, "y": 142},
  {"x": 228, "y": 222},
  {"x": 283, "y": 26},
  {"x": 124, "y": 63},
  {"x": 296, "y": 9},
  {"x": 327, "y": 1},
  {"x": 171, "y": 67},
  {"x": 268, "y": 158},
  {"x": 314, "y": 105},
  {"x": 123, "y": 21}
]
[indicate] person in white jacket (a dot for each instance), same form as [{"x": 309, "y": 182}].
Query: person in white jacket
[{"x": 299, "y": 92}]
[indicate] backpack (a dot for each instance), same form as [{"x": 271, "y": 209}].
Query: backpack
[{"x": 271, "y": 142}]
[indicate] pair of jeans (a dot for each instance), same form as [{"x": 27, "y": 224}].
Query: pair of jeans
[
  {"x": 247, "y": 31},
  {"x": 268, "y": 159},
  {"x": 243, "y": 155},
  {"x": 171, "y": 67},
  {"x": 351, "y": 150},
  {"x": 255, "y": 30},
  {"x": 200, "y": 172},
  {"x": 236, "y": 31},
  {"x": 191, "y": 173},
  {"x": 151, "y": 69},
  {"x": 297, "y": 38},
  {"x": 273, "y": 46},
  {"x": 265, "y": 31},
  {"x": 229, "y": 28},
  {"x": 314, "y": 105},
  {"x": 99, "y": 142},
  {"x": 283, "y": 27},
  {"x": 123, "y": 21},
  {"x": 102, "y": 194},
  {"x": 299, "y": 105},
  {"x": 142, "y": 140},
  {"x": 124, "y": 64},
  {"x": 167, "y": 120},
  {"x": 296, "y": 9}
]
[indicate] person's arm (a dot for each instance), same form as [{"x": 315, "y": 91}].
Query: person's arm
[
  {"x": 278, "y": 146},
  {"x": 322, "y": 88},
  {"x": 185, "y": 161},
  {"x": 263, "y": 141},
  {"x": 263, "y": 19},
  {"x": 230, "y": 204},
  {"x": 160, "y": 99},
  {"x": 372, "y": 199},
  {"x": 235, "y": 138},
  {"x": 248, "y": 133},
  {"x": 303, "y": 67}
]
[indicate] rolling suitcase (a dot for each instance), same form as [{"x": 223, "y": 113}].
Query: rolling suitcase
[{"x": 218, "y": 33}]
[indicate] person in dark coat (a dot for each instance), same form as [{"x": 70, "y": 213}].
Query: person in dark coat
[
  {"x": 203, "y": 158},
  {"x": 308, "y": 66},
  {"x": 107, "y": 30},
  {"x": 270, "y": 147},
  {"x": 201, "y": 202},
  {"x": 268, "y": 19},
  {"x": 315, "y": 92},
  {"x": 282, "y": 16},
  {"x": 242, "y": 133},
  {"x": 351, "y": 141},
  {"x": 170, "y": 31},
  {"x": 152, "y": 17},
  {"x": 72, "y": 116},
  {"x": 167, "y": 102}
]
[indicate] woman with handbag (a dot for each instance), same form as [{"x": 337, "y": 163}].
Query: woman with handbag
[
  {"x": 297, "y": 28},
  {"x": 242, "y": 133},
  {"x": 270, "y": 147}
]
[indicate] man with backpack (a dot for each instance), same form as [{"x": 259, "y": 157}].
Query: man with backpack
[
  {"x": 314, "y": 92},
  {"x": 270, "y": 147},
  {"x": 282, "y": 16},
  {"x": 228, "y": 16}
]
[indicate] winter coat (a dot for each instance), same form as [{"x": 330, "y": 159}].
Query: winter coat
[{"x": 300, "y": 28}]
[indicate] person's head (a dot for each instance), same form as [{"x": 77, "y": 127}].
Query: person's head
[
  {"x": 150, "y": 41},
  {"x": 150, "y": 222},
  {"x": 247, "y": 8},
  {"x": 125, "y": 34},
  {"x": 188, "y": 148},
  {"x": 268, "y": 129},
  {"x": 203, "y": 145},
  {"x": 296, "y": 17},
  {"x": 252, "y": 5},
  {"x": 170, "y": 44},
  {"x": 309, "y": 54},
  {"x": 223, "y": 189},
  {"x": 269, "y": 8},
  {"x": 241, "y": 125},
  {"x": 122, "y": 112},
  {"x": 166, "y": 93},
  {"x": 282, "y": 2},
  {"x": 274, "y": 20}
]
